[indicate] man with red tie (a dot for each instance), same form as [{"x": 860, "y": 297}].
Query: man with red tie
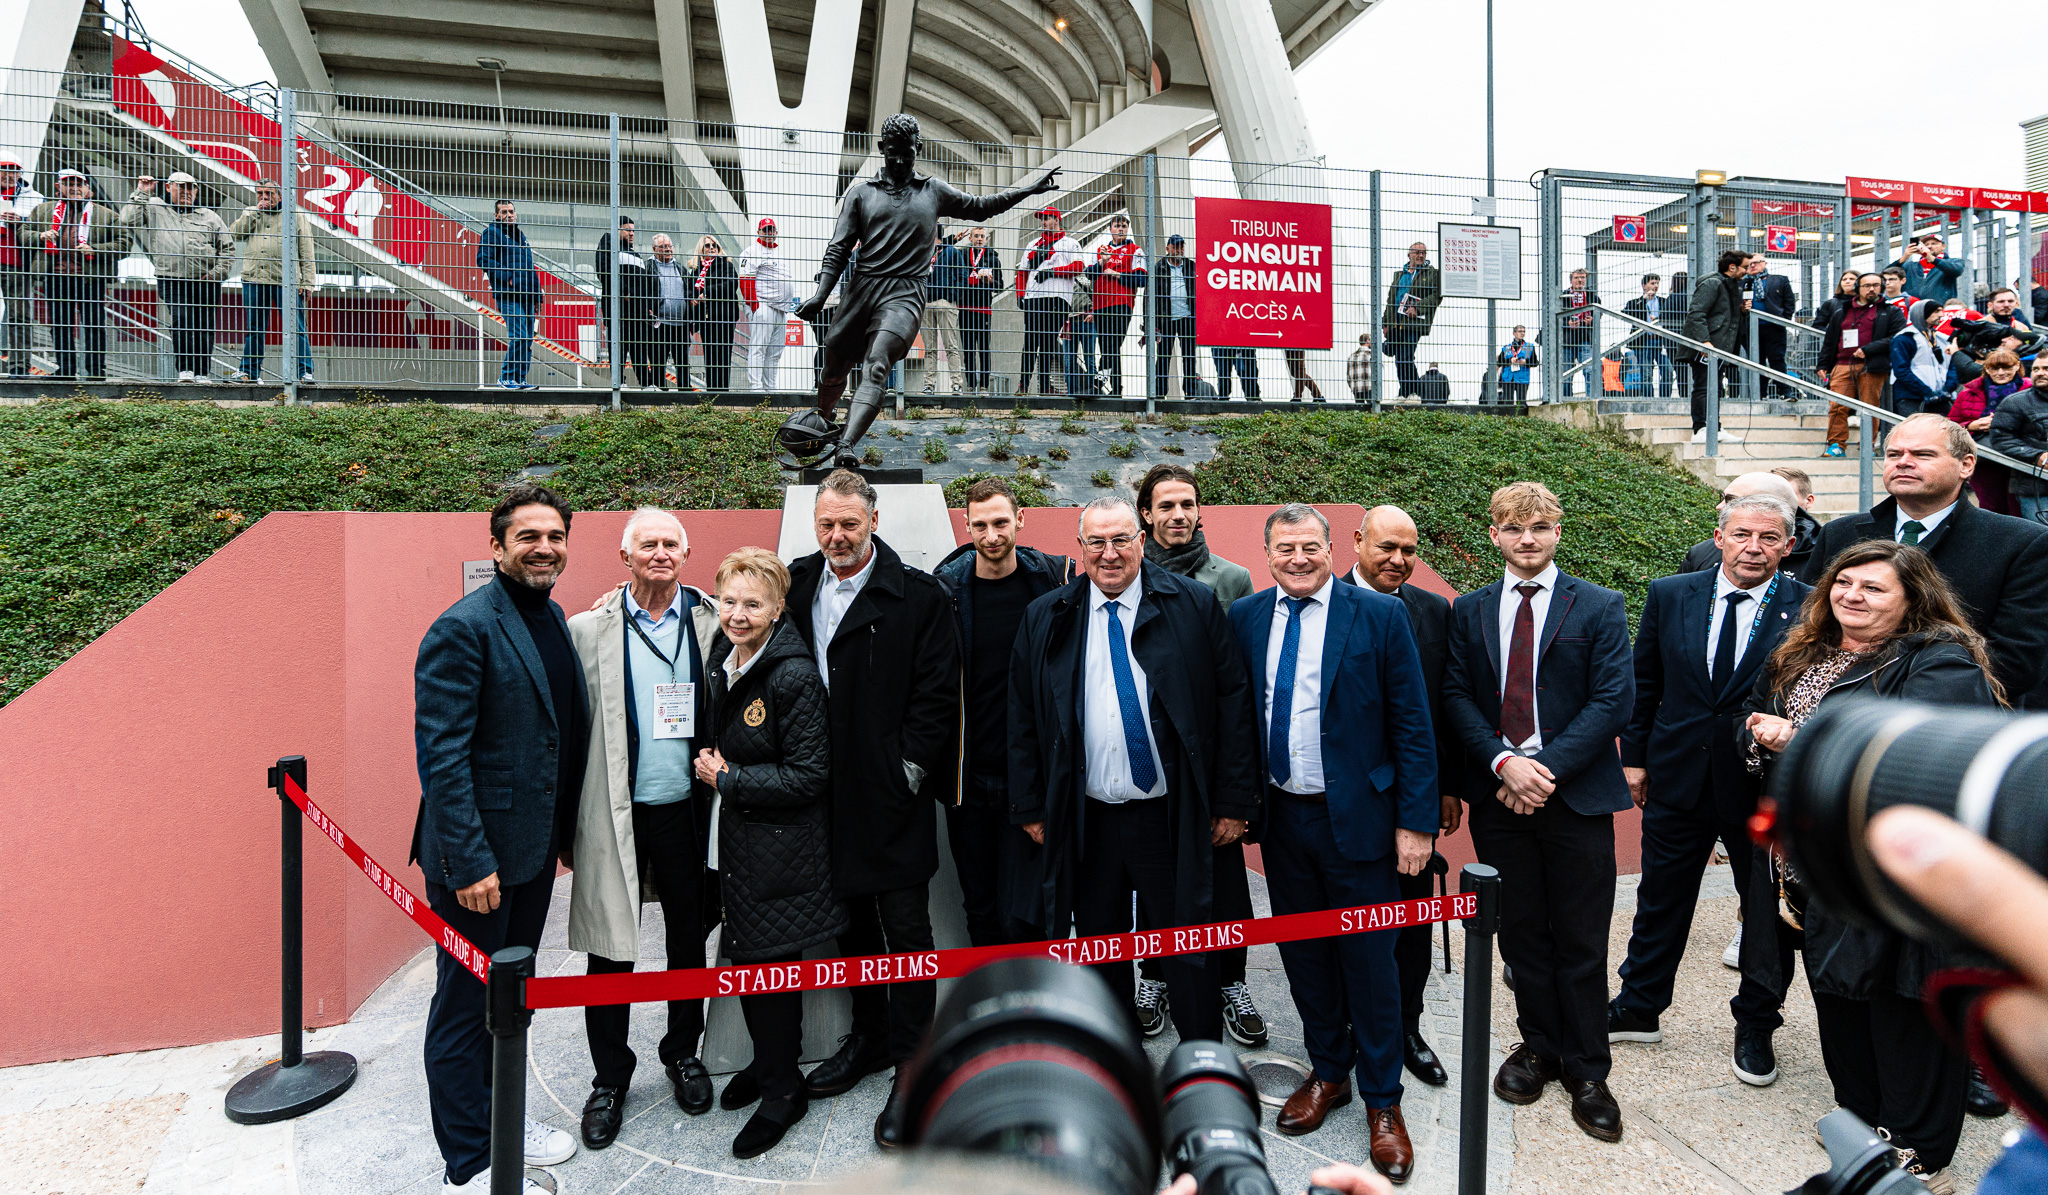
[{"x": 1538, "y": 684}]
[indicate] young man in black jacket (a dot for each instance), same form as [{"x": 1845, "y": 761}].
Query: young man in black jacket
[
  {"x": 1714, "y": 316},
  {"x": 992, "y": 579}
]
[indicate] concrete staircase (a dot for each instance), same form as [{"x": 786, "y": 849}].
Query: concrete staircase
[{"x": 1773, "y": 434}]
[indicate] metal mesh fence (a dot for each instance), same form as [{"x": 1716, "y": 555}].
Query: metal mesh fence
[{"x": 414, "y": 273}]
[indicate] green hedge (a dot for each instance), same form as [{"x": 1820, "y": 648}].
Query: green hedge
[
  {"x": 1628, "y": 516},
  {"x": 103, "y": 504}
]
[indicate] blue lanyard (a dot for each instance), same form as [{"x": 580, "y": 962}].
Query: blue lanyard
[{"x": 1756, "y": 620}]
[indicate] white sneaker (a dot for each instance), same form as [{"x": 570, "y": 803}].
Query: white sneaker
[
  {"x": 1699, "y": 435},
  {"x": 546, "y": 1146},
  {"x": 1855, "y": 421},
  {"x": 1731, "y": 958},
  {"x": 480, "y": 1184},
  {"x": 1728, "y": 437},
  {"x": 184, "y": 375}
]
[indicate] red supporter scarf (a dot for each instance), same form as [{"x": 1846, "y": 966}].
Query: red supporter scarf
[
  {"x": 703, "y": 270},
  {"x": 84, "y": 220},
  {"x": 762, "y": 243}
]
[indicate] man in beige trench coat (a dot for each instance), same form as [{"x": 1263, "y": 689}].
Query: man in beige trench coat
[{"x": 641, "y": 834}]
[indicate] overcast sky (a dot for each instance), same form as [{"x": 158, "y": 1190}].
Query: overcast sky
[{"x": 1757, "y": 87}]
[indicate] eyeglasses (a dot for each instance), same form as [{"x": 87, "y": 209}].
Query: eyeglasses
[{"x": 1115, "y": 543}]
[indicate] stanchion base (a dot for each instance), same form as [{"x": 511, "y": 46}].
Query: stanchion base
[
  {"x": 276, "y": 1092},
  {"x": 1276, "y": 1075}
]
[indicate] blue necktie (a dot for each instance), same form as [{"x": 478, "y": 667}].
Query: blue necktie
[
  {"x": 1283, "y": 693},
  {"x": 1137, "y": 743}
]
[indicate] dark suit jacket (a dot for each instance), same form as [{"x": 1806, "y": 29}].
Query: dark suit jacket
[
  {"x": 1429, "y": 616},
  {"x": 1998, "y": 566},
  {"x": 1202, "y": 719},
  {"x": 894, "y": 699},
  {"x": 1378, "y": 744},
  {"x": 1584, "y": 692},
  {"x": 487, "y": 738},
  {"x": 1684, "y": 724}
]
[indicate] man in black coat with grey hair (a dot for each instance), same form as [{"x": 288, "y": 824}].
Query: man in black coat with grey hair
[{"x": 882, "y": 634}]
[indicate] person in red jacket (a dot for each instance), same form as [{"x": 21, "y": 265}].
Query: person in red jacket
[
  {"x": 1119, "y": 272},
  {"x": 984, "y": 269}
]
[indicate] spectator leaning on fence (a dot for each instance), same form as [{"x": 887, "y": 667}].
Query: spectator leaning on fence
[
  {"x": 1930, "y": 272},
  {"x": 80, "y": 247},
  {"x": 259, "y": 230},
  {"x": 506, "y": 259},
  {"x": 189, "y": 248},
  {"x": 1412, "y": 299},
  {"x": 18, "y": 202}
]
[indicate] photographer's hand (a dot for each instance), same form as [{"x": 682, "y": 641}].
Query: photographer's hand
[{"x": 1992, "y": 897}]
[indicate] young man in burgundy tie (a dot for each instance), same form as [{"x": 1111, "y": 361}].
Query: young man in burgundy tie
[{"x": 1538, "y": 684}]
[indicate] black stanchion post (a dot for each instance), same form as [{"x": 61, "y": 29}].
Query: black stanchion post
[
  {"x": 297, "y": 1082},
  {"x": 506, "y": 1014},
  {"x": 1473, "y": 1082}
]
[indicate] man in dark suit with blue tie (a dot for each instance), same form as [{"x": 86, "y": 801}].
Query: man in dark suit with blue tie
[
  {"x": 500, "y": 727},
  {"x": 1702, "y": 640},
  {"x": 1538, "y": 685},
  {"x": 1351, "y": 798}
]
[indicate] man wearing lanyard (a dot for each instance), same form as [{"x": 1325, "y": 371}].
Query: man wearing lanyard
[
  {"x": 1702, "y": 639},
  {"x": 642, "y": 650}
]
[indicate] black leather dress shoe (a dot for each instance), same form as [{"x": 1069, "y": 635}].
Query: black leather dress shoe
[
  {"x": 859, "y": 1056},
  {"x": 603, "y": 1113},
  {"x": 1521, "y": 1078},
  {"x": 693, "y": 1085},
  {"x": 1980, "y": 1099},
  {"x": 889, "y": 1125},
  {"x": 1594, "y": 1109},
  {"x": 1422, "y": 1061},
  {"x": 742, "y": 1089},
  {"x": 764, "y": 1130}
]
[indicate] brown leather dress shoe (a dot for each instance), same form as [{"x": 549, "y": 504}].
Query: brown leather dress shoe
[
  {"x": 1311, "y": 1102},
  {"x": 1391, "y": 1153}
]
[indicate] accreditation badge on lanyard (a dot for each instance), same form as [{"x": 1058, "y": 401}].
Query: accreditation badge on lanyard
[{"x": 675, "y": 703}]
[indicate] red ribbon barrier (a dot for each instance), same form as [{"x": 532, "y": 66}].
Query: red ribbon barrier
[
  {"x": 695, "y": 983},
  {"x": 573, "y": 991},
  {"x": 460, "y": 948}
]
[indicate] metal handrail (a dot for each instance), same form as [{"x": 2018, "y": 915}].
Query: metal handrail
[
  {"x": 1801, "y": 384},
  {"x": 1789, "y": 323}
]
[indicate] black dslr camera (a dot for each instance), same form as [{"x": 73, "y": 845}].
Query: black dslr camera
[
  {"x": 1986, "y": 769},
  {"x": 1037, "y": 1061},
  {"x": 1978, "y": 338}
]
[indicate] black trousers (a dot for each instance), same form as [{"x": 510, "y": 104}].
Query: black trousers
[
  {"x": 458, "y": 1046},
  {"x": 77, "y": 306},
  {"x": 1412, "y": 952},
  {"x": 1244, "y": 361},
  {"x": 985, "y": 848},
  {"x": 665, "y": 842},
  {"x": 669, "y": 342},
  {"x": 1233, "y": 897},
  {"x": 1110, "y": 325},
  {"x": 974, "y": 345},
  {"x": 717, "y": 337},
  {"x": 894, "y": 922},
  {"x": 1770, "y": 352},
  {"x": 1676, "y": 846},
  {"x": 194, "y": 305},
  {"x": 639, "y": 346},
  {"x": 1557, "y": 897},
  {"x": 1171, "y": 332},
  {"x": 775, "y": 1020},
  {"x": 1126, "y": 851},
  {"x": 1891, "y": 1068},
  {"x": 1703, "y": 376},
  {"x": 1514, "y": 393},
  {"x": 1042, "y": 320},
  {"x": 1401, "y": 342}
]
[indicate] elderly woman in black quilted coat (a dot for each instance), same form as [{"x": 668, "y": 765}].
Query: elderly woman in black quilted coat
[{"x": 768, "y": 758}]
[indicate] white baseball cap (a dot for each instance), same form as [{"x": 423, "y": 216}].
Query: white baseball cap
[{"x": 179, "y": 176}]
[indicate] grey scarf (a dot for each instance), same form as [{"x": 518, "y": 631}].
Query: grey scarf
[{"x": 1183, "y": 561}]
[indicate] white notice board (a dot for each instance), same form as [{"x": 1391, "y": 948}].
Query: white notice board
[{"x": 1480, "y": 261}]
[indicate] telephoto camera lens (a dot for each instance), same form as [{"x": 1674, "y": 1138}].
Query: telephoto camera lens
[
  {"x": 1212, "y": 1121},
  {"x": 1984, "y": 768},
  {"x": 1037, "y": 1060}
]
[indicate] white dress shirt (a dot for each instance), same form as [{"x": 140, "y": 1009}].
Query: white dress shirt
[
  {"x": 829, "y": 608},
  {"x": 1102, "y": 715},
  {"x": 1927, "y": 525},
  {"x": 1539, "y": 608},
  {"x": 1747, "y": 614},
  {"x": 1305, "y": 722}
]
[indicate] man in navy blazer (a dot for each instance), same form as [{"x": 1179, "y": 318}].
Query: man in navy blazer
[
  {"x": 500, "y": 728},
  {"x": 1537, "y": 687},
  {"x": 1351, "y": 793},
  {"x": 1703, "y": 638}
]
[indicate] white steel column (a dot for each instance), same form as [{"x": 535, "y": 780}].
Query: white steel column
[
  {"x": 36, "y": 50},
  {"x": 1271, "y": 150}
]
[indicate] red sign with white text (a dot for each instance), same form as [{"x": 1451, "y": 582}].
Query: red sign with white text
[
  {"x": 1779, "y": 238},
  {"x": 1263, "y": 274},
  {"x": 1940, "y": 195},
  {"x": 1997, "y": 200},
  {"x": 1789, "y": 207},
  {"x": 1884, "y": 190}
]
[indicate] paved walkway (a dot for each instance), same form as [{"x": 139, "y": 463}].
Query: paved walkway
[{"x": 152, "y": 1121}]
